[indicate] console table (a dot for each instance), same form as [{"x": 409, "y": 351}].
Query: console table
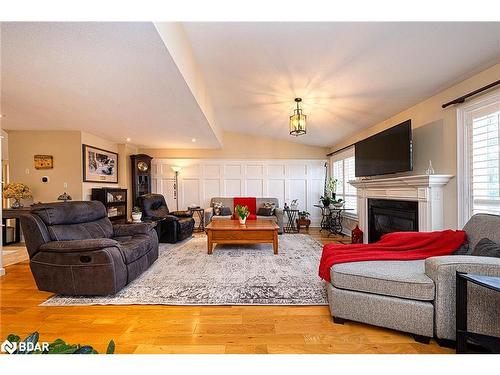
[
  {"x": 463, "y": 335},
  {"x": 331, "y": 218},
  {"x": 13, "y": 213}
]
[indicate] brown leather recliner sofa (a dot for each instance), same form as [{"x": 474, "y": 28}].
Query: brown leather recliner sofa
[{"x": 75, "y": 250}]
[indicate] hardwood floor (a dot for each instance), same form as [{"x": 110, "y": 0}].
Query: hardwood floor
[{"x": 193, "y": 329}]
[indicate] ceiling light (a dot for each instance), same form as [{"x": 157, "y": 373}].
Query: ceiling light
[
  {"x": 128, "y": 139},
  {"x": 298, "y": 120},
  {"x": 193, "y": 140}
]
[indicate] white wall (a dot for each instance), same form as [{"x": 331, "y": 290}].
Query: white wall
[{"x": 202, "y": 179}]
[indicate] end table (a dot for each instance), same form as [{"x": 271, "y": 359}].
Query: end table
[
  {"x": 290, "y": 226},
  {"x": 463, "y": 335},
  {"x": 200, "y": 212}
]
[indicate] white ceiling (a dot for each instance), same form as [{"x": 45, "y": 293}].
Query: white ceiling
[
  {"x": 350, "y": 75},
  {"x": 116, "y": 80}
]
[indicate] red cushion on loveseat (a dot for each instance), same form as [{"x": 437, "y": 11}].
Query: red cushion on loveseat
[{"x": 250, "y": 202}]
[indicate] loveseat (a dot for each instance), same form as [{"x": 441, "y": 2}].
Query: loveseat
[
  {"x": 75, "y": 250},
  {"x": 419, "y": 296},
  {"x": 228, "y": 202}
]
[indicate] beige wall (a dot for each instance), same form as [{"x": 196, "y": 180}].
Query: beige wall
[
  {"x": 434, "y": 134},
  {"x": 64, "y": 146},
  {"x": 241, "y": 146}
]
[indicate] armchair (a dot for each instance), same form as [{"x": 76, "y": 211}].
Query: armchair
[
  {"x": 75, "y": 250},
  {"x": 174, "y": 226}
]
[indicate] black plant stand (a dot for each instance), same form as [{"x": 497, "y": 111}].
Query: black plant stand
[
  {"x": 463, "y": 335},
  {"x": 290, "y": 226}
]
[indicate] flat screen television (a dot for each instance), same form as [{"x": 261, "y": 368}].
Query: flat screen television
[{"x": 389, "y": 151}]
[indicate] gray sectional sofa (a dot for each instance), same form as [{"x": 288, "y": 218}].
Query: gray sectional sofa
[
  {"x": 419, "y": 296},
  {"x": 228, "y": 202}
]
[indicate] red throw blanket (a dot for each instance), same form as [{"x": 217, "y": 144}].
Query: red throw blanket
[
  {"x": 393, "y": 246},
  {"x": 250, "y": 202}
]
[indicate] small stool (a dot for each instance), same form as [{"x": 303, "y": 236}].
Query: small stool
[{"x": 303, "y": 223}]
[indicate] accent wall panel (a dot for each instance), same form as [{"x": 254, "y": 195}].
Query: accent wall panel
[{"x": 202, "y": 179}]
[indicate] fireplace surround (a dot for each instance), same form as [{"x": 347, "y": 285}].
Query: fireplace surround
[{"x": 425, "y": 191}]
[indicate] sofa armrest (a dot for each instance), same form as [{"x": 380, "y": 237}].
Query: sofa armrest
[
  {"x": 278, "y": 212},
  {"x": 78, "y": 245},
  {"x": 442, "y": 270},
  {"x": 171, "y": 219},
  {"x": 131, "y": 229},
  {"x": 182, "y": 213},
  {"x": 209, "y": 213}
]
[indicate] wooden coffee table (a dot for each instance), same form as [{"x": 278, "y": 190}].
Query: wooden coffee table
[{"x": 231, "y": 232}]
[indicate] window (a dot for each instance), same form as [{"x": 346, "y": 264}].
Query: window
[
  {"x": 342, "y": 168},
  {"x": 479, "y": 157}
]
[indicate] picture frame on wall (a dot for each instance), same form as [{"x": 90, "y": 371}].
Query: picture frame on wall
[{"x": 99, "y": 165}]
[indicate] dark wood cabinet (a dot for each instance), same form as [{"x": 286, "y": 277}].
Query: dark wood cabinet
[
  {"x": 141, "y": 176},
  {"x": 115, "y": 201}
]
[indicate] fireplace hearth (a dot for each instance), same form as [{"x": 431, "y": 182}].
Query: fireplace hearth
[{"x": 388, "y": 215}]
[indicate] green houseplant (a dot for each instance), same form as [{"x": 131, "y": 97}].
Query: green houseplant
[
  {"x": 242, "y": 212},
  {"x": 136, "y": 214},
  {"x": 304, "y": 215}
]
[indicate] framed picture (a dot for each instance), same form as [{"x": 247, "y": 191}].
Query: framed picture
[
  {"x": 99, "y": 165},
  {"x": 44, "y": 161}
]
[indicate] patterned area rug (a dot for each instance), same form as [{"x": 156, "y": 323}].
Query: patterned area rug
[{"x": 185, "y": 274}]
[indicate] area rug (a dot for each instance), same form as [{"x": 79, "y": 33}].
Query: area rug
[{"x": 185, "y": 274}]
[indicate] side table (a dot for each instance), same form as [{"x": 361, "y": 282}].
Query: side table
[
  {"x": 463, "y": 335},
  {"x": 290, "y": 226},
  {"x": 303, "y": 223},
  {"x": 200, "y": 212}
]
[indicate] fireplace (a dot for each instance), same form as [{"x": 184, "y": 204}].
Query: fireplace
[{"x": 388, "y": 215}]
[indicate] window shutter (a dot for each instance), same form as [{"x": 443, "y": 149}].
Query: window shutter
[{"x": 484, "y": 159}]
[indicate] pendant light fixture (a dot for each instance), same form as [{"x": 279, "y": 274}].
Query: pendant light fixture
[{"x": 298, "y": 120}]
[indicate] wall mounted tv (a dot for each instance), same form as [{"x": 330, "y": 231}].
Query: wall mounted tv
[{"x": 389, "y": 151}]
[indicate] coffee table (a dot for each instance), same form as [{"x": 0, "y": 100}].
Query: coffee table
[{"x": 232, "y": 232}]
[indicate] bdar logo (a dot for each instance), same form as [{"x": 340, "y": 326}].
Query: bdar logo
[{"x": 8, "y": 347}]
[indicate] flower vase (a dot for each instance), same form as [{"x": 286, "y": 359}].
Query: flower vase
[
  {"x": 243, "y": 220},
  {"x": 16, "y": 204}
]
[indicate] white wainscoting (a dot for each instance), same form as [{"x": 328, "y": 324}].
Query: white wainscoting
[{"x": 202, "y": 179}]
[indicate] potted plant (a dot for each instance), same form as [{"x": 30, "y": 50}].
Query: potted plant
[
  {"x": 242, "y": 212},
  {"x": 331, "y": 187},
  {"x": 17, "y": 191},
  {"x": 326, "y": 200},
  {"x": 338, "y": 203},
  {"x": 136, "y": 214},
  {"x": 304, "y": 215}
]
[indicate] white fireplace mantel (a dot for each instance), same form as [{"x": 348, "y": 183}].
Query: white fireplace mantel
[{"x": 427, "y": 190}]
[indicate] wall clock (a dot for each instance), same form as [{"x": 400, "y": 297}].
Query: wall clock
[{"x": 142, "y": 166}]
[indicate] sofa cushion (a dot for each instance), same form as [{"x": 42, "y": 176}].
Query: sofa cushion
[
  {"x": 403, "y": 279},
  {"x": 265, "y": 211},
  {"x": 487, "y": 248},
  {"x": 101, "y": 228},
  {"x": 133, "y": 247}
]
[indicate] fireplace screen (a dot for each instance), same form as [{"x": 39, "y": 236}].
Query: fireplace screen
[{"x": 387, "y": 216}]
